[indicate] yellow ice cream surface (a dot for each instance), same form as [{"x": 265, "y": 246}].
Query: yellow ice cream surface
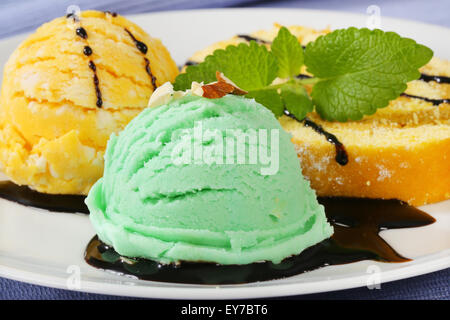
[{"x": 52, "y": 134}]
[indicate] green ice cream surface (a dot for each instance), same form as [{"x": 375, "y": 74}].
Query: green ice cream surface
[{"x": 150, "y": 207}]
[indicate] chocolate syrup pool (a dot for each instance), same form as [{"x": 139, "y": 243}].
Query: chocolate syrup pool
[
  {"x": 53, "y": 202},
  {"x": 356, "y": 223}
]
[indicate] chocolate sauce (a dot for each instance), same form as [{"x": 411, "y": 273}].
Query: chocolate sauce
[
  {"x": 341, "y": 153},
  {"x": 247, "y": 37},
  {"x": 190, "y": 63},
  {"x": 429, "y": 78},
  {"x": 81, "y": 32},
  {"x": 303, "y": 76},
  {"x": 149, "y": 72},
  {"x": 356, "y": 222},
  {"x": 26, "y": 196},
  {"x": 114, "y": 14},
  {"x": 438, "y": 79},
  {"x": 98, "y": 93},
  {"x": 435, "y": 102},
  {"x": 87, "y": 51},
  {"x": 92, "y": 66},
  {"x": 142, "y": 47},
  {"x": 72, "y": 15}
]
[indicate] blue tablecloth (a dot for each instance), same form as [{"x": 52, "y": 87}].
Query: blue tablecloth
[{"x": 32, "y": 13}]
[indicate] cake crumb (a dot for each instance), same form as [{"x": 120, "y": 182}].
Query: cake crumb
[{"x": 383, "y": 173}]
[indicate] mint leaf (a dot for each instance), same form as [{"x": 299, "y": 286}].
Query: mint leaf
[
  {"x": 250, "y": 66},
  {"x": 361, "y": 70},
  {"x": 356, "y": 71},
  {"x": 205, "y": 71},
  {"x": 296, "y": 100},
  {"x": 288, "y": 52},
  {"x": 269, "y": 98}
]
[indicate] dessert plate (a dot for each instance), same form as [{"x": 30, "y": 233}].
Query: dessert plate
[{"x": 47, "y": 248}]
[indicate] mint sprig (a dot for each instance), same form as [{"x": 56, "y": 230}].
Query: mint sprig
[
  {"x": 296, "y": 100},
  {"x": 361, "y": 70},
  {"x": 356, "y": 71},
  {"x": 250, "y": 66},
  {"x": 270, "y": 98},
  {"x": 288, "y": 52}
]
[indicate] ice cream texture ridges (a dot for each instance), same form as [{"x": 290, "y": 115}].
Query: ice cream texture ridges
[
  {"x": 146, "y": 206},
  {"x": 52, "y": 133}
]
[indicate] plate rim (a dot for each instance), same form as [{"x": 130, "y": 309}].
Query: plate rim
[{"x": 211, "y": 292}]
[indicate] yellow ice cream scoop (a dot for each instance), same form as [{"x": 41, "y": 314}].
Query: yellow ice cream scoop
[{"x": 66, "y": 88}]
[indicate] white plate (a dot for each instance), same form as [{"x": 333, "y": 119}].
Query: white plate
[{"x": 47, "y": 248}]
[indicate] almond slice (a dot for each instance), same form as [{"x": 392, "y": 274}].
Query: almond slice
[{"x": 221, "y": 87}]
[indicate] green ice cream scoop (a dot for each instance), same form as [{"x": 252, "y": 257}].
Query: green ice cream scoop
[{"x": 200, "y": 179}]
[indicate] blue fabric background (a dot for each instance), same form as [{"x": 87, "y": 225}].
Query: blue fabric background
[{"x": 32, "y": 13}]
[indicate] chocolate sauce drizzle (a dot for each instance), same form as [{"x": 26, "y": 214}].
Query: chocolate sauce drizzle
[
  {"x": 356, "y": 222},
  {"x": 114, "y": 14},
  {"x": 249, "y": 38},
  {"x": 435, "y": 102},
  {"x": 98, "y": 93},
  {"x": 53, "y": 202},
  {"x": 81, "y": 32},
  {"x": 341, "y": 153},
  {"x": 87, "y": 51},
  {"x": 438, "y": 79},
  {"x": 142, "y": 47},
  {"x": 73, "y": 15},
  {"x": 149, "y": 71},
  {"x": 429, "y": 78},
  {"x": 191, "y": 63},
  {"x": 303, "y": 76}
]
